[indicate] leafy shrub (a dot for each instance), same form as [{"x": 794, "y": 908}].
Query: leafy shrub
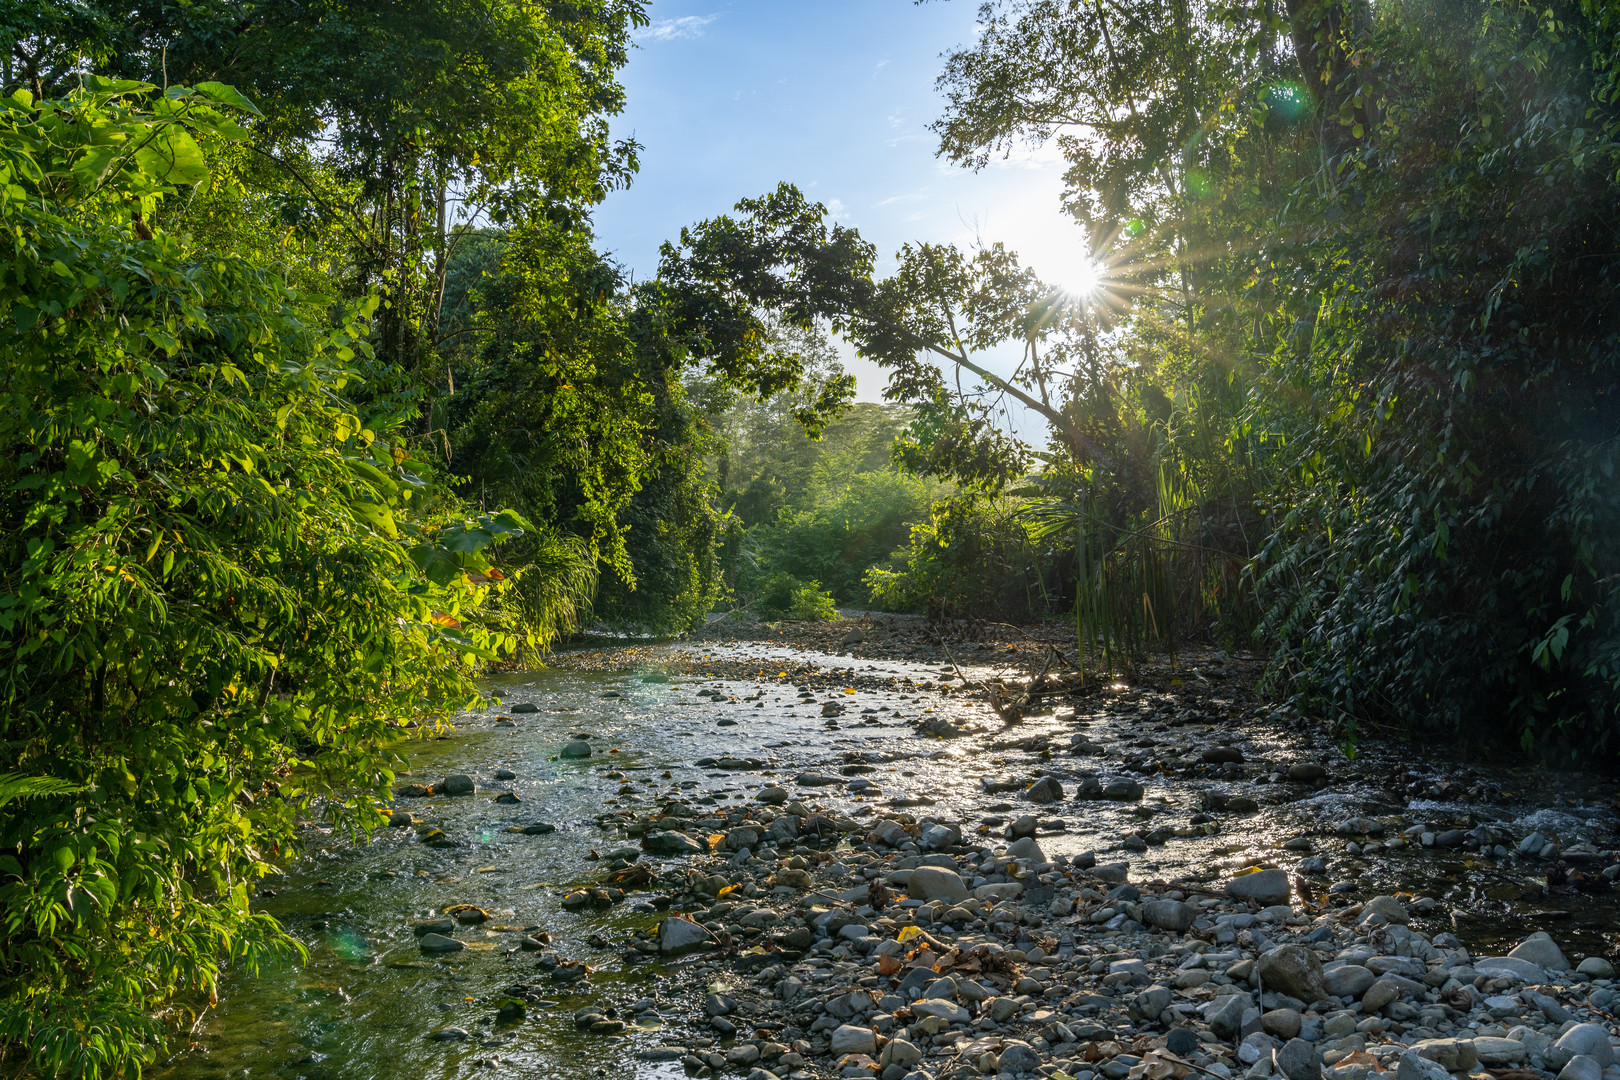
[
  {"x": 221, "y": 589},
  {"x": 785, "y": 596}
]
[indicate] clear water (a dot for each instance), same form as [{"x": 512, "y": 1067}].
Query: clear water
[{"x": 367, "y": 998}]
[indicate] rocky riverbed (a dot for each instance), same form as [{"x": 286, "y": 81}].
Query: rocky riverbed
[{"x": 774, "y": 854}]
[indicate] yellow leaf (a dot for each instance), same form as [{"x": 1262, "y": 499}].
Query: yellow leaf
[{"x": 908, "y": 932}]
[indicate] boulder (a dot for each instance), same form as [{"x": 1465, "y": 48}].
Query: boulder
[
  {"x": 1414, "y": 1066},
  {"x": 1045, "y": 790},
  {"x": 1593, "y": 967},
  {"x": 1591, "y": 1040},
  {"x": 455, "y": 784},
  {"x": 1025, "y": 847},
  {"x": 936, "y": 883},
  {"x": 1581, "y": 1067},
  {"x": 1295, "y": 970},
  {"x": 1541, "y": 950},
  {"x": 678, "y": 936},
  {"x": 1386, "y": 907},
  {"x": 1225, "y": 1015},
  {"x": 1453, "y": 1055},
  {"x": 672, "y": 843},
  {"x": 1348, "y": 980},
  {"x": 1298, "y": 1060},
  {"x": 1511, "y": 967},
  {"x": 1122, "y": 790},
  {"x": 578, "y": 748},
  {"x": 934, "y": 836},
  {"x": 772, "y": 796},
  {"x": 851, "y": 1039},
  {"x": 1171, "y": 915},
  {"x": 1264, "y": 887},
  {"x": 949, "y": 1010},
  {"x": 438, "y": 943}
]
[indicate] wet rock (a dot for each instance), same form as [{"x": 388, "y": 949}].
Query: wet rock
[
  {"x": 1282, "y": 1024},
  {"x": 678, "y": 936},
  {"x": 816, "y": 780},
  {"x": 1264, "y": 887},
  {"x": 399, "y": 819},
  {"x": 1541, "y": 950},
  {"x": 1307, "y": 773},
  {"x": 933, "y": 836},
  {"x": 1298, "y": 1060},
  {"x": 671, "y": 843},
  {"x": 1592, "y": 1040},
  {"x": 1295, "y": 970},
  {"x": 577, "y": 748},
  {"x": 850, "y": 1039},
  {"x": 1387, "y": 908},
  {"x": 524, "y": 707},
  {"x": 538, "y": 828},
  {"x": 1023, "y": 825},
  {"x": 455, "y": 784},
  {"x": 1222, "y": 755},
  {"x": 719, "y": 1005},
  {"x": 507, "y": 798},
  {"x": 438, "y": 943},
  {"x": 1171, "y": 915},
  {"x": 1045, "y": 790},
  {"x": 1122, "y": 790},
  {"x": 937, "y": 883},
  {"x": 446, "y": 925},
  {"x": 449, "y": 1034},
  {"x": 772, "y": 796},
  {"x": 504, "y": 774}
]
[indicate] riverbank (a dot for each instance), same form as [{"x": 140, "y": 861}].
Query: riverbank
[{"x": 872, "y": 873}]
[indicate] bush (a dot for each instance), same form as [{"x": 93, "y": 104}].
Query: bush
[
  {"x": 785, "y": 596},
  {"x": 223, "y": 590}
]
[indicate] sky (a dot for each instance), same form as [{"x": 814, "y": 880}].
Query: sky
[{"x": 729, "y": 99}]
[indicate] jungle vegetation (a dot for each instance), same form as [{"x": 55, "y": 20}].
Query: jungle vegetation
[{"x": 318, "y": 397}]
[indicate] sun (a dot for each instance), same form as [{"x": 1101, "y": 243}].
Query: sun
[{"x": 1085, "y": 280}]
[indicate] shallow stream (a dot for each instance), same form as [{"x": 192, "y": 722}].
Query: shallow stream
[{"x": 367, "y": 998}]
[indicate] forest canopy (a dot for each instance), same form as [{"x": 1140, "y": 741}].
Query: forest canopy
[{"x": 320, "y": 397}]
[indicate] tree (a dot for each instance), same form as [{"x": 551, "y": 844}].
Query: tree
[{"x": 222, "y": 588}]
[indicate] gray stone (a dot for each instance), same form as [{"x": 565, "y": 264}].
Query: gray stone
[
  {"x": 1494, "y": 1051},
  {"x": 1016, "y": 1058},
  {"x": 1026, "y": 848},
  {"x": 1282, "y": 1023},
  {"x": 889, "y": 832},
  {"x": 1295, "y": 970},
  {"x": 1541, "y": 950},
  {"x": 900, "y": 1052},
  {"x": 1122, "y": 790},
  {"x": 1414, "y": 1066},
  {"x": 773, "y": 795},
  {"x": 949, "y": 1010},
  {"x": 1045, "y": 790},
  {"x": 935, "y": 835},
  {"x": 449, "y": 1034},
  {"x": 1147, "y": 1005},
  {"x": 1595, "y": 967},
  {"x": 1264, "y": 887},
  {"x": 1298, "y": 1060},
  {"x": 1348, "y": 980},
  {"x": 1511, "y": 967},
  {"x": 438, "y": 943},
  {"x": 1453, "y": 1055},
  {"x": 851, "y": 1039},
  {"x": 999, "y": 890},
  {"x": 1592, "y": 1040},
  {"x": 1581, "y": 1067},
  {"x": 936, "y": 883},
  {"x": 672, "y": 843},
  {"x": 1182, "y": 1042},
  {"x": 1386, "y": 907},
  {"x": 456, "y": 784},
  {"x": 1225, "y": 1015},
  {"x": 1379, "y": 994},
  {"x": 577, "y": 748},
  {"x": 1023, "y": 825},
  {"x": 1171, "y": 915},
  {"x": 677, "y": 936}
]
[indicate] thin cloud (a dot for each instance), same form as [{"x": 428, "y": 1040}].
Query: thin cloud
[
  {"x": 683, "y": 28},
  {"x": 910, "y": 196}
]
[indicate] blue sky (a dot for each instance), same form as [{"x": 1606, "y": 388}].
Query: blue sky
[{"x": 730, "y": 99}]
